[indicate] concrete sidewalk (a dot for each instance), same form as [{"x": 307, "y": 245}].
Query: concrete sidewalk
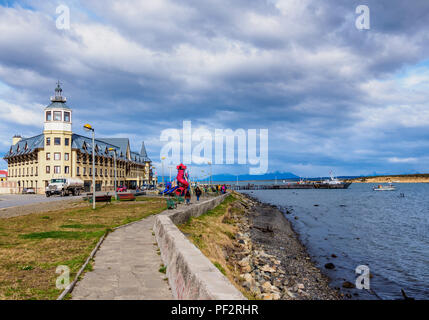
[{"x": 126, "y": 267}]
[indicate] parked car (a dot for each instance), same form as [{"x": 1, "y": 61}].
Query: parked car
[
  {"x": 121, "y": 189},
  {"x": 28, "y": 191}
]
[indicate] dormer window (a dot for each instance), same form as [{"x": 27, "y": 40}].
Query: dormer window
[
  {"x": 67, "y": 116},
  {"x": 48, "y": 116},
  {"x": 57, "y": 116}
]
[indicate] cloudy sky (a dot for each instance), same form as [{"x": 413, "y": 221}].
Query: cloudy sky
[{"x": 332, "y": 97}]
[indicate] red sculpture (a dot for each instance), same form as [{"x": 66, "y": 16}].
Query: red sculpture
[{"x": 181, "y": 181}]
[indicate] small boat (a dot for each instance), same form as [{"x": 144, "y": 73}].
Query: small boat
[{"x": 389, "y": 187}]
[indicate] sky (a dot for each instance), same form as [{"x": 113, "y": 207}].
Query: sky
[{"x": 332, "y": 97}]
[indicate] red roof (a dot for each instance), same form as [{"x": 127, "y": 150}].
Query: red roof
[{"x": 3, "y": 173}]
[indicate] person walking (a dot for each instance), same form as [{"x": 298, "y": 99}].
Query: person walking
[
  {"x": 188, "y": 197},
  {"x": 198, "y": 193}
]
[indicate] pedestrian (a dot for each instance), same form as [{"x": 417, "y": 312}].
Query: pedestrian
[
  {"x": 198, "y": 193},
  {"x": 188, "y": 197},
  {"x": 223, "y": 189}
]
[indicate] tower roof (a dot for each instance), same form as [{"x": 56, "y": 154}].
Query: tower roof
[
  {"x": 58, "y": 101},
  {"x": 143, "y": 152}
]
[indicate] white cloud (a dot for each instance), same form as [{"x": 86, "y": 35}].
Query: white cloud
[{"x": 402, "y": 160}]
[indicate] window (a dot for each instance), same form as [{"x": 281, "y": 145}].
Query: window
[
  {"x": 84, "y": 171},
  {"x": 90, "y": 171},
  {"x": 48, "y": 116},
  {"x": 66, "y": 157},
  {"x": 95, "y": 171},
  {"x": 67, "y": 116},
  {"x": 105, "y": 172},
  {"x": 48, "y": 141},
  {"x": 77, "y": 171},
  {"x": 57, "y": 116},
  {"x": 57, "y": 156},
  {"x": 66, "y": 141},
  {"x": 48, "y": 156},
  {"x": 57, "y": 141},
  {"x": 48, "y": 169},
  {"x": 57, "y": 169},
  {"x": 66, "y": 169}
]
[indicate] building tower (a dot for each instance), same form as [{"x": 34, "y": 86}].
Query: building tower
[{"x": 58, "y": 137}]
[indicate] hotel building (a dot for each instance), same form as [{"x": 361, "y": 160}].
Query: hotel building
[{"x": 60, "y": 153}]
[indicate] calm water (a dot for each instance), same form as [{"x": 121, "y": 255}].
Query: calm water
[{"x": 380, "y": 229}]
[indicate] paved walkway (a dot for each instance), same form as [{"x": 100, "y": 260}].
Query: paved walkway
[{"x": 126, "y": 267}]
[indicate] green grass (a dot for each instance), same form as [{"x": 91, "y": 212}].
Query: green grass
[
  {"x": 220, "y": 268},
  {"x": 83, "y": 226},
  {"x": 163, "y": 269},
  {"x": 62, "y": 235},
  {"x": 33, "y": 246}
]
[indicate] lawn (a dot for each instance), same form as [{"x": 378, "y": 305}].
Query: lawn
[
  {"x": 214, "y": 234},
  {"x": 32, "y": 246}
]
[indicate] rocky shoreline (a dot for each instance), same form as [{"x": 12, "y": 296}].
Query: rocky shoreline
[{"x": 272, "y": 263}]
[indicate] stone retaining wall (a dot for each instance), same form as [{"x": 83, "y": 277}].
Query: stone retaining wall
[{"x": 191, "y": 275}]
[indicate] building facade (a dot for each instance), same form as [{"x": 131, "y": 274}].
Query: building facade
[
  {"x": 60, "y": 153},
  {"x": 3, "y": 175}
]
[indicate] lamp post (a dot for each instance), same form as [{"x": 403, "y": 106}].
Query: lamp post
[
  {"x": 162, "y": 164},
  {"x": 170, "y": 167},
  {"x": 88, "y": 127},
  {"x": 154, "y": 176},
  {"x": 114, "y": 160},
  {"x": 210, "y": 164}
]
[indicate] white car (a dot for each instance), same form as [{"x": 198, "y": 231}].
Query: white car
[{"x": 28, "y": 191}]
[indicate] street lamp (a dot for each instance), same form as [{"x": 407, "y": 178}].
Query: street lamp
[
  {"x": 114, "y": 160},
  {"x": 153, "y": 175},
  {"x": 162, "y": 164},
  {"x": 170, "y": 167},
  {"x": 210, "y": 164},
  {"x": 88, "y": 127}
]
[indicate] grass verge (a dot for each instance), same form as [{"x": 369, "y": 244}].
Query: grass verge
[
  {"x": 214, "y": 234},
  {"x": 32, "y": 246}
]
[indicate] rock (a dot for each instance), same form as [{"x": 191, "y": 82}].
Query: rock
[
  {"x": 333, "y": 255},
  {"x": 266, "y": 287},
  {"x": 276, "y": 296},
  {"x": 300, "y": 286},
  {"x": 277, "y": 283},
  {"x": 286, "y": 292},
  {"x": 348, "y": 285},
  {"x": 254, "y": 289},
  {"x": 267, "y": 296},
  {"x": 267, "y": 268},
  {"x": 274, "y": 289},
  {"x": 329, "y": 265},
  {"x": 245, "y": 265},
  {"x": 247, "y": 277}
]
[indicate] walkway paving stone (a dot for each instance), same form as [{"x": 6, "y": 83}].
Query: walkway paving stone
[{"x": 126, "y": 267}]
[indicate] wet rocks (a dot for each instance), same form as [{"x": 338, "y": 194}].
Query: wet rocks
[
  {"x": 330, "y": 266},
  {"x": 348, "y": 285},
  {"x": 272, "y": 263}
]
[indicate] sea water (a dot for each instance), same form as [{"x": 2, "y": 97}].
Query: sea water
[{"x": 388, "y": 231}]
